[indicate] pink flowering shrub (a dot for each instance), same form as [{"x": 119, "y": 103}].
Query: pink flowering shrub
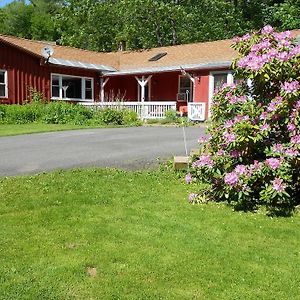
[{"x": 252, "y": 155}]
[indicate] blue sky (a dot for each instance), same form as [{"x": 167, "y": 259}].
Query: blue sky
[{"x": 4, "y": 2}]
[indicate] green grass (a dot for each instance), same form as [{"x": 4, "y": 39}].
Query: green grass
[
  {"x": 16, "y": 129},
  {"x": 142, "y": 236}
]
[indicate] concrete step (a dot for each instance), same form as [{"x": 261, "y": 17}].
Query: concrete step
[{"x": 181, "y": 162}]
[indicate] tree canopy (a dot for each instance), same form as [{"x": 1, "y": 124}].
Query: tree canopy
[{"x": 103, "y": 24}]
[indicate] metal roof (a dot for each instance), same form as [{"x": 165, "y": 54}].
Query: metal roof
[
  {"x": 81, "y": 65},
  {"x": 221, "y": 64}
]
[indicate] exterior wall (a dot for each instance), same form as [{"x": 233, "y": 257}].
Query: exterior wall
[{"x": 25, "y": 71}]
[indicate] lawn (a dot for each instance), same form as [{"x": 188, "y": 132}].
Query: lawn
[
  {"x": 16, "y": 129},
  {"x": 106, "y": 234}
]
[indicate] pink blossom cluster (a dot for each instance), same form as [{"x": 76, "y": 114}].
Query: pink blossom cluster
[
  {"x": 271, "y": 46},
  {"x": 233, "y": 99},
  {"x": 233, "y": 178},
  {"x": 290, "y": 87},
  {"x": 274, "y": 104},
  {"x": 229, "y": 137},
  {"x": 278, "y": 185},
  {"x": 204, "y": 160},
  {"x": 282, "y": 150},
  {"x": 273, "y": 163}
]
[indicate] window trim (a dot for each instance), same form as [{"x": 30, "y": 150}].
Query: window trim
[
  {"x": 83, "y": 80},
  {"x": 5, "y": 84}
]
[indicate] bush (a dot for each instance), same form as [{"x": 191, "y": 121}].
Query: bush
[
  {"x": 65, "y": 113},
  {"x": 130, "y": 117},
  {"x": 20, "y": 114},
  {"x": 251, "y": 157},
  {"x": 171, "y": 115},
  {"x": 111, "y": 116}
]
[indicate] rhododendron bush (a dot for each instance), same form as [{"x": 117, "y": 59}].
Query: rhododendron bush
[{"x": 251, "y": 156}]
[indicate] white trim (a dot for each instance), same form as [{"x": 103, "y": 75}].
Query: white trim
[
  {"x": 212, "y": 83},
  {"x": 142, "y": 83},
  {"x": 83, "y": 81},
  {"x": 5, "y": 83}
]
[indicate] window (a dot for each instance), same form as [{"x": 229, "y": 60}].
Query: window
[
  {"x": 219, "y": 80},
  {"x": 185, "y": 89},
  {"x": 3, "y": 84},
  {"x": 71, "y": 87},
  {"x": 158, "y": 56}
]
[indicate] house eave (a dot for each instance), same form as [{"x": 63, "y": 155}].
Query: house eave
[
  {"x": 188, "y": 67},
  {"x": 80, "y": 65}
]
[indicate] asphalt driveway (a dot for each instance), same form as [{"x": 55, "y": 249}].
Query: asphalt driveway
[{"x": 129, "y": 148}]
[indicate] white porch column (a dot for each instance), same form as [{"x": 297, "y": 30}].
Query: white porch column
[
  {"x": 143, "y": 82},
  {"x": 103, "y": 82}
]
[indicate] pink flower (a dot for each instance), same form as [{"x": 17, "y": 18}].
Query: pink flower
[
  {"x": 263, "y": 116},
  {"x": 188, "y": 178},
  {"x": 229, "y": 137},
  {"x": 277, "y": 148},
  {"x": 220, "y": 152},
  {"x": 291, "y": 127},
  {"x": 290, "y": 87},
  {"x": 265, "y": 127},
  {"x": 273, "y": 163},
  {"x": 267, "y": 29},
  {"x": 235, "y": 153},
  {"x": 295, "y": 139},
  {"x": 291, "y": 152},
  {"x": 204, "y": 160},
  {"x": 231, "y": 179},
  {"x": 278, "y": 185},
  {"x": 240, "y": 169},
  {"x": 228, "y": 124},
  {"x": 192, "y": 197}
]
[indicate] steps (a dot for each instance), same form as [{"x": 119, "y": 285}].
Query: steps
[{"x": 181, "y": 162}]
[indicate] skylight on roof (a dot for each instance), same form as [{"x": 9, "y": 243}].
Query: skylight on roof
[{"x": 158, "y": 56}]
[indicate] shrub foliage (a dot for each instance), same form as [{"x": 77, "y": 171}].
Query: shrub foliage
[
  {"x": 251, "y": 156},
  {"x": 64, "y": 113}
]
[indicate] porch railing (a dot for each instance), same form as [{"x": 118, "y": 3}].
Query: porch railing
[
  {"x": 145, "y": 110},
  {"x": 196, "y": 111}
]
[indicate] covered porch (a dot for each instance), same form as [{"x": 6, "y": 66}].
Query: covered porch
[{"x": 152, "y": 94}]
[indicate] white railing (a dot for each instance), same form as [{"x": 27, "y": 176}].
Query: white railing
[
  {"x": 196, "y": 111},
  {"x": 145, "y": 110}
]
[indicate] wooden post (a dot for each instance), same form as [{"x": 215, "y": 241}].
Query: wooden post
[
  {"x": 103, "y": 82},
  {"x": 143, "y": 82}
]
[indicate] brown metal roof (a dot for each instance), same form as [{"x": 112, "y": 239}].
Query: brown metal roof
[{"x": 189, "y": 54}]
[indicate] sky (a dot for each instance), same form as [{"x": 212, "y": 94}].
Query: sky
[{"x": 4, "y": 2}]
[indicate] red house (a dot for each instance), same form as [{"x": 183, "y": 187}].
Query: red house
[{"x": 157, "y": 79}]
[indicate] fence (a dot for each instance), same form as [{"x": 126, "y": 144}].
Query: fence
[{"x": 145, "y": 110}]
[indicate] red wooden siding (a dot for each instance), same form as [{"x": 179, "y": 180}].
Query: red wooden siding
[{"x": 24, "y": 72}]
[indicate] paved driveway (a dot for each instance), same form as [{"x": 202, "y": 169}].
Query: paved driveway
[{"x": 130, "y": 148}]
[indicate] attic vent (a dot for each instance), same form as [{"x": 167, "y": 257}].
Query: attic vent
[{"x": 157, "y": 56}]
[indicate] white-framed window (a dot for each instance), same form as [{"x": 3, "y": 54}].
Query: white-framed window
[
  {"x": 69, "y": 87},
  {"x": 185, "y": 89},
  {"x": 3, "y": 84}
]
